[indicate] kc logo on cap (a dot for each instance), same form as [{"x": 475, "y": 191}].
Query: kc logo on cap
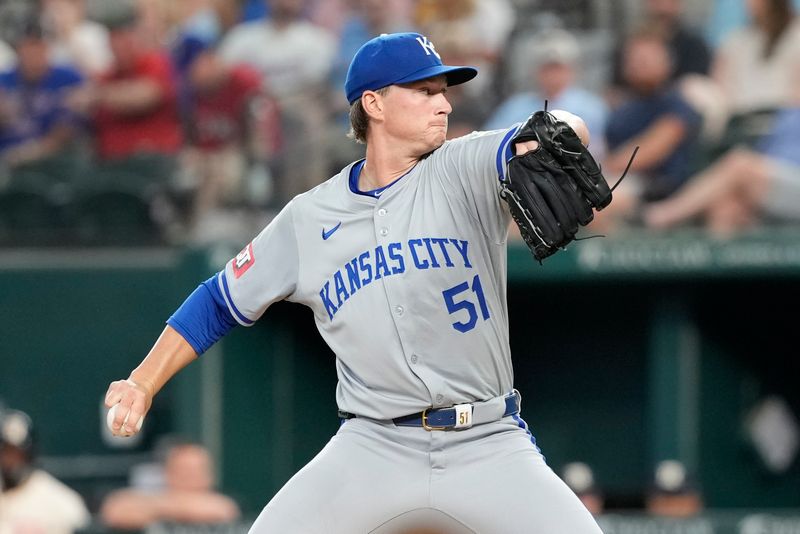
[
  {"x": 395, "y": 58},
  {"x": 427, "y": 46}
]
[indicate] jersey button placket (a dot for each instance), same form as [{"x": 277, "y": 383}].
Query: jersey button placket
[{"x": 380, "y": 221}]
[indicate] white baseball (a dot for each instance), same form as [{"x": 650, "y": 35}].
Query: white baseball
[
  {"x": 575, "y": 122},
  {"x": 110, "y": 421}
]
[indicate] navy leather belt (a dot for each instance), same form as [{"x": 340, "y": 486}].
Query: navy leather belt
[{"x": 454, "y": 417}]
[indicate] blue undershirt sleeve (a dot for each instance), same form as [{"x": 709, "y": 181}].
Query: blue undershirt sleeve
[
  {"x": 506, "y": 151},
  {"x": 204, "y": 317}
]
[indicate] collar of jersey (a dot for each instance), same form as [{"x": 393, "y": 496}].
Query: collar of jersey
[{"x": 355, "y": 171}]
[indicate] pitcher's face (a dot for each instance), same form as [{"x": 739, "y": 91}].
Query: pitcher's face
[{"x": 417, "y": 113}]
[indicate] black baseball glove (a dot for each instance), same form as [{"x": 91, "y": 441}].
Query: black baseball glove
[{"x": 553, "y": 190}]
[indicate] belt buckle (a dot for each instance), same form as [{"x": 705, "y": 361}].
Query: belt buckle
[{"x": 425, "y": 424}]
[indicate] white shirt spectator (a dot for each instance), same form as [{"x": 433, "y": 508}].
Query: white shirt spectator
[
  {"x": 291, "y": 58},
  {"x": 751, "y": 82},
  {"x": 74, "y": 39},
  {"x": 44, "y": 505},
  {"x": 86, "y": 48}
]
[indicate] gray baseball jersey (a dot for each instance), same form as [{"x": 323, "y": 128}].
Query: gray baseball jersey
[{"x": 408, "y": 288}]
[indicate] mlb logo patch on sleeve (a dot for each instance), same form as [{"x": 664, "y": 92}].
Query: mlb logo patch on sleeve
[{"x": 243, "y": 261}]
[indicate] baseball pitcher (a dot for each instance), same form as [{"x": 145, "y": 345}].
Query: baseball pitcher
[{"x": 402, "y": 258}]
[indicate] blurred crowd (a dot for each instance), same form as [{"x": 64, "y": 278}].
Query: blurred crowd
[
  {"x": 671, "y": 491},
  {"x": 175, "y": 121},
  {"x": 178, "y": 487}
]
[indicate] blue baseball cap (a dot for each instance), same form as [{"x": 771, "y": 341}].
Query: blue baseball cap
[{"x": 394, "y": 58}]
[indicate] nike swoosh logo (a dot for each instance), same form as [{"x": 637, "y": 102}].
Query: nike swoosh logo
[{"x": 326, "y": 235}]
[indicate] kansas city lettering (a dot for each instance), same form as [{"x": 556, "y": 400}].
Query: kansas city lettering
[{"x": 389, "y": 260}]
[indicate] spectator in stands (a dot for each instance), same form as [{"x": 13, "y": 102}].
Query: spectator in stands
[
  {"x": 75, "y": 40},
  {"x": 688, "y": 49},
  {"x": 672, "y": 493},
  {"x": 134, "y": 105},
  {"x": 294, "y": 58},
  {"x": 32, "y": 500},
  {"x": 757, "y": 72},
  {"x": 469, "y": 32},
  {"x": 758, "y": 67},
  {"x": 291, "y": 54},
  {"x": 233, "y": 129},
  {"x": 654, "y": 117},
  {"x": 188, "y": 495},
  {"x": 35, "y": 122},
  {"x": 554, "y": 69},
  {"x": 580, "y": 479},
  {"x": 743, "y": 188},
  {"x": 134, "y": 113}
]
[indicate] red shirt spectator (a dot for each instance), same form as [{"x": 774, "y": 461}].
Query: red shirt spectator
[
  {"x": 234, "y": 128},
  {"x": 122, "y": 132},
  {"x": 218, "y": 114}
]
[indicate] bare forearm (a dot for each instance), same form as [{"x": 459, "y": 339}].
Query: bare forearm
[
  {"x": 169, "y": 354},
  {"x": 130, "y": 510},
  {"x": 134, "y": 395},
  {"x": 198, "y": 508},
  {"x": 657, "y": 143},
  {"x": 37, "y": 149},
  {"x": 131, "y": 97}
]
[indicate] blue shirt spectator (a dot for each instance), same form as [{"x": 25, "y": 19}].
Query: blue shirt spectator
[
  {"x": 32, "y": 110},
  {"x": 637, "y": 114},
  {"x": 35, "y": 121},
  {"x": 781, "y": 142},
  {"x": 654, "y": 116},
  {"x": 553, "y": 72}
]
